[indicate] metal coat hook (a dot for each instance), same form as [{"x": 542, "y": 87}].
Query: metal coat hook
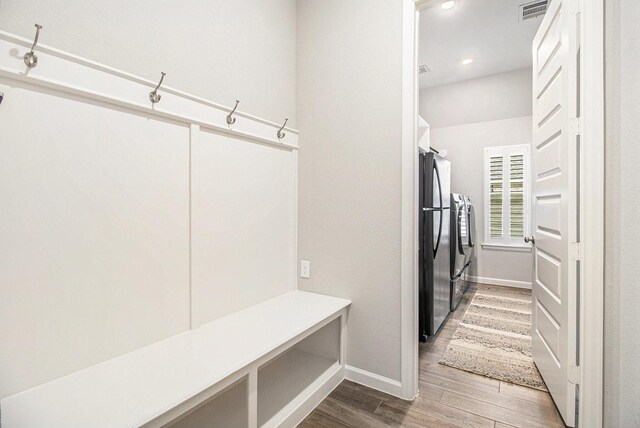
[
  {"x": 230, "y": 119},
  {"x": 154, "y": 96},
  {"x": 281, "y": 133},
  {"x": 30, "y": 58}
]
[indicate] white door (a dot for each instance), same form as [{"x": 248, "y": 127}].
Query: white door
[{"x": 555, "y": 202}]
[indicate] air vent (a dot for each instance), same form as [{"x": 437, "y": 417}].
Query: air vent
[
  {"x": 533, "y": 9},
  {"x": 423, "y": 69}
]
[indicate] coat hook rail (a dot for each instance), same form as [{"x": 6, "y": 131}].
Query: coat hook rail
[
  {"x": 230, "y": 119},
  {"x": 30, "y": 58},
  {"x": 154, "y": 96},
  {"x": 71, "y": 74},
  {"x": 281, "y": 133}
]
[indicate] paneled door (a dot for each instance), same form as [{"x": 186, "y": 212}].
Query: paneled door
[{"x": 555, "y": 202}]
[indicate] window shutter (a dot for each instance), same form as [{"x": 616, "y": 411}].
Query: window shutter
[
  {"x": 516, "y": 195},
  {"x": 506, "y": 204},
  {"x": 496, "y": 165}
]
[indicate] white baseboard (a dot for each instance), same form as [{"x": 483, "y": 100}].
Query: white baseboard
[
  {"x": 375, "y": 381},
  {"x": 497, "y": 281}
]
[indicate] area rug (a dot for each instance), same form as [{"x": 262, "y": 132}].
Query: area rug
[{"x": 494, "y": 337}]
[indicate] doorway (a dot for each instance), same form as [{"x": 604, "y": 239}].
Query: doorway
[{"x": 517, "y": 207}]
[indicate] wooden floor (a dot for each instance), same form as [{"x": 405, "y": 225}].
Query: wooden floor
[{"x": 448, "y": 397}]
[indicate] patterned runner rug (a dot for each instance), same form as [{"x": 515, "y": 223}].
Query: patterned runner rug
[{"x": 494, "y": 337}]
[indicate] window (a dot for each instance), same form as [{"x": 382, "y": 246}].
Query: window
[{"x": 506, "y": 205}]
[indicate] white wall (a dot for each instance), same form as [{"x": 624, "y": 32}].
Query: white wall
[
  {"x": 465, "y": 147},
  {"x": 622, "y": 229},
  {"x": 241, "y": 225},
  {"x": 95, "y": 235},
  {"x": 124, "y": 224},
  {"x": 349, "y": 116},
  {"x": 469, "y": 116},
  {"x": 219, "y": 50},
  {"x": 494, "y": 97}
]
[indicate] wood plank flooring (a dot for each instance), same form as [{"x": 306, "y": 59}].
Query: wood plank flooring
[{"x": 448, "y": 397}]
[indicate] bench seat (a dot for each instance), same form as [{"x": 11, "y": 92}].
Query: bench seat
[{"x": 153, "y": 385}]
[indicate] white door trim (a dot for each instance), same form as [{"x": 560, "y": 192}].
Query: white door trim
[
  {"x": 409, "y": 258},
  {"x": 592, "y": 214}
]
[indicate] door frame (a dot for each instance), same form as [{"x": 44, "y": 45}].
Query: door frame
[
  {"x": 591, "y": 322},
  {"x": 409, "y": 244},
  {"x": 591, "y": 348}
]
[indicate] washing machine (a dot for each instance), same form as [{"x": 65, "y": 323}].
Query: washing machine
[{"x": 462, "y": 225}]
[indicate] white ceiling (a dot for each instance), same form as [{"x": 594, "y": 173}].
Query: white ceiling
[{"x": 488, "y": 31}]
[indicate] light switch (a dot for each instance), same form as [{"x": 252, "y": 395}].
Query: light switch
[{"x": 305, "y": 268}]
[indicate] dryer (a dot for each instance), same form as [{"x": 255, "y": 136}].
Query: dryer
[{"x": 462, "y": 245}]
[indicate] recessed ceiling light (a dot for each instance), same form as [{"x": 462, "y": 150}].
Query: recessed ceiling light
[
  {"x": 467, "y": 61},
  {"x": 448, "y": 4}
]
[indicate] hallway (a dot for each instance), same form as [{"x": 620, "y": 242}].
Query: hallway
[{"x": 448, "y": 397}]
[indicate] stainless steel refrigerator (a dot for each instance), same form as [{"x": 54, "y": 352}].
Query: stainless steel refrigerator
[{"x": 434, "y": 253}]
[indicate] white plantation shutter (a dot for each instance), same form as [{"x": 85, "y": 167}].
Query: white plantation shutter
[
  {"x": 506, "y": 194},
  {"x": 516, "y": 196},
  {"x": 496, "y": 187}
]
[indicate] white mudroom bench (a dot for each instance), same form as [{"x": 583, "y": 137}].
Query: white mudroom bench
[{"x": 267, "y": 365}]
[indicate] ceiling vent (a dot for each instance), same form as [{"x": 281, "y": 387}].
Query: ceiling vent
[
  {"x": 423, "y": 69},
  {"x": 533, "y": 9}
]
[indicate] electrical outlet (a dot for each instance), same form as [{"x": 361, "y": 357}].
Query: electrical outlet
[{"x": 305, "y": 268}]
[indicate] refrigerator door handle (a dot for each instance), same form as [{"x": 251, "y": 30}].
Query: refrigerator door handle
[
  {"x": 435, "y": 209},
  {"x": 435, "y": 167}
]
